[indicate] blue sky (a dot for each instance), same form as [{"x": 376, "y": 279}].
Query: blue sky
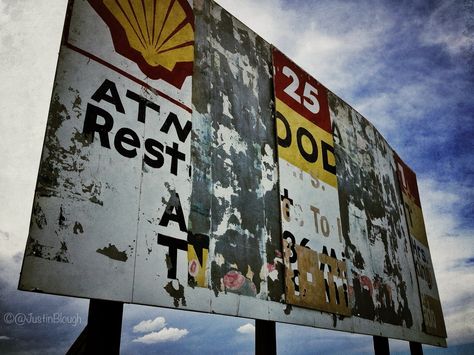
[{"x": 407, "y": 66}]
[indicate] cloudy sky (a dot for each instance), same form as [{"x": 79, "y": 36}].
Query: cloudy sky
[{"x": 408, "y": 66}]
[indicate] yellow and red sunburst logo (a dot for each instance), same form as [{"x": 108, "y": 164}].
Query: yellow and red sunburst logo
[{"x": 158, "y": 35}]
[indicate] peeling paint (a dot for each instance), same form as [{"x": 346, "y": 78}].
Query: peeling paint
[
  {"x": 113, "y": 253},
  {"x": 62, "y": 254},
  {"x": 36, "y": 249},
  {"x": 78, "y": 229},
  {"x": 234, "y": 164},
  {"x": 38, "y": 215},
  {"x": 372, "y": 221},
  {"x": 176, "y": 293},
  {"x": 61, "y": 218}
]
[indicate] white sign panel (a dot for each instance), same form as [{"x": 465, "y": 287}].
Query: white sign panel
[{"x": 115, "y": 168}]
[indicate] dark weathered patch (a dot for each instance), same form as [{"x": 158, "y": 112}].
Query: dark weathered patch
[
  {"x": 61, "y": 218},
  {"x": 61, "y": 254},
  {"x": 36, "y": 249},
  {"x": 78, "y": 228},
  {"x": 38, "y": 216},
  {"x": 93, "y": 190},
  {"x": 113, "y": 253},
  {"x": 177, "y": 294},
  {"x": 368, "y": 186},
  {"x": 228, "y": 203},
  {"x": 76, "y": 105}
]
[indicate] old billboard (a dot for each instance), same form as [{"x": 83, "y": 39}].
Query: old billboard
[{"x": 188, "y": 163}]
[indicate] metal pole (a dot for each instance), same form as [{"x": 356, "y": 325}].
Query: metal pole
[
  {"x": 381, "y": 346},
  {"x": 416, "y": 348},
  {"x": 103, "y": 330},
  {"x": 265, "y": 337}
]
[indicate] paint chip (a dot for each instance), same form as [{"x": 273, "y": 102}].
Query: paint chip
[{"x": 113, "y": 253}]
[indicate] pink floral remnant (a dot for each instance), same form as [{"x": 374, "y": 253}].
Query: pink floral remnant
[
  {"x": 271, "y": 267},
  {"x": 193, "y": 268},
  {"x": 366, "y": 283},
  {"x": 233, "y": 280}
]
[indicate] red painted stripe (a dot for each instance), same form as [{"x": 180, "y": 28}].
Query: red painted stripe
[
  {"x": 129, "y": 76},
  {"x": 282, "y": 82}
]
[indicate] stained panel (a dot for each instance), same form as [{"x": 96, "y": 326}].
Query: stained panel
[
  {"x": 234, "y": 197},
  {"x": 433, "y": 321},
  {"x": 308, "y": 189},
  {"x": 382, "y": 273}
]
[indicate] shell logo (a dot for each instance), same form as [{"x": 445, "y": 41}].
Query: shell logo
[{"x": 158, "y": 35}]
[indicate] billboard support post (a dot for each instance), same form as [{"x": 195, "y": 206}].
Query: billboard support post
[
  {"x": 103, "y": 330},
  {"x": 416, "y": 348},
  {"x": 265, "y": 337},
  {"x": 381, "y": 346}
]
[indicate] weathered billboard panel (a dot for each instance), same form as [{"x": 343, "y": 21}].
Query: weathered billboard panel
[
  {"x": 382, "y": 272},
  {"x": 316, "y": 272},
  {"x": 433, "y": 321},
  {"x": 119, "y": 125},
  {"x": 188, "y": 163}
]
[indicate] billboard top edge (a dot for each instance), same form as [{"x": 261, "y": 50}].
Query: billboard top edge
[{"x": 308, "y": 72}]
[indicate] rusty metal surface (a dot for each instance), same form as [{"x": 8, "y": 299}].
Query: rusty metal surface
[{"x": 172, "y": 189}]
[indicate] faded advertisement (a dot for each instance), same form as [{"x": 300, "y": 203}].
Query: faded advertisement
[
  {"x": 114, "y": 180},
  {"x": 382, "y": 273},
  {"x": 234, "y": 198},
  {"x": 433, "y": 321},
  {"x": 316, "y": 273},
  {"x": 189, "y": 164}
]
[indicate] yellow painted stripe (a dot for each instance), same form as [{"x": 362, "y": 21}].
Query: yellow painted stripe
[
  {"x": 170, "y": 58},
  {"x": 176, "y": 17},
  {"x": 160, "y": 13},
  {"x": 292, "y": 154},
  {"x": 201, "y": 277},
  {"x": 416, "y": 223},
  {"x": 186, "y": 34}
]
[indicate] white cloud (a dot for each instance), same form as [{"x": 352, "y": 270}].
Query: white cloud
[
  {"x": 448, "y": 26},
  {"x": 246, "y": 329},
  {"x": 4, "y": 235},
  {"x": 341, "y": 52},
  {"x": 4, "y": 337},
  {"x": 30, "y": 33},
  {"x": 337, "y": 50},
  {"x": 150, "y": 325},
  {"x": 164, "y": 335},
  {"x": 272, "y": 20}
]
